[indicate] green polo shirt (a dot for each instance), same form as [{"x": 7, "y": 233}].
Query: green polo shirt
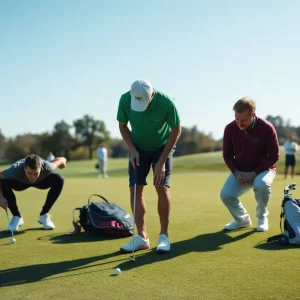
[{"x": 151, "y": 128}]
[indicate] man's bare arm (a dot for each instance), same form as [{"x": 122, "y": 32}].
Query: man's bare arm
[
  {"x": 126, "y": 135},
  {"x": 59, "y": 162},
  {"x": 173, "y": 138}
]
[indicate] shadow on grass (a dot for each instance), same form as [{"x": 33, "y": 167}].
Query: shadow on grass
[
  {"x": 62, "y": 238},
  {"x": 7, "y": 234},
  {"x": 33, "y": 273},
  {"x": 82, "y": 237},
  {"x": 275, "y": 246},
  {"x": 201, "y": 243},
  {"x": 4, "y": 234},
  {"x": 28, "y": 274}
]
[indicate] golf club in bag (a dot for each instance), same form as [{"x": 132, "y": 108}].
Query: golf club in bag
[{"x": 290, "y": 215}]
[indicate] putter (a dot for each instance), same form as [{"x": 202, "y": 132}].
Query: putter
[
  {"x": 12, "y": 233},
  {"x": 132, "y": 257}
]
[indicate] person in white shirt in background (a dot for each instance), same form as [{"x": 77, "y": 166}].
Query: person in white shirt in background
[
  {"x": 50, "y": 157},
  {"x": 290, "y": 147},
  {"x": 102, "y": 158}
]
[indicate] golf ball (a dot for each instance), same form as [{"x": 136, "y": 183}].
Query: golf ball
[
  {"x": 117, "y": 271},
  {"x": 13, "y": 240}
]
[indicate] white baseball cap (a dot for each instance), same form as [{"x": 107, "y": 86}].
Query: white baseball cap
[{"x": 141, "y": 94}]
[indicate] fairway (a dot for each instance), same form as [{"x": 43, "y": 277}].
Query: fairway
[{"x": 205, "y": 262}]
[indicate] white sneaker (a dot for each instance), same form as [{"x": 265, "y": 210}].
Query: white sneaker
[
  {"x": 263, "y": 224},
  {"x": 163, "y": 244},
  {"x": 46, "y": 221},
  {"x": 15, "y": 223},
  {"x": 137, "y": 243},
  {"x": 236, "y": 225}
]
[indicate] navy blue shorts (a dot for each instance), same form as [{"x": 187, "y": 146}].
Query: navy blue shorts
[
  {"x": 148, "y": 159},
  {"x": 290, "y": 160}
]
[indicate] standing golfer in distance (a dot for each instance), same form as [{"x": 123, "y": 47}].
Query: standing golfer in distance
[
  {"x": 31, "y": 171},
  {"x": 290, "y": 147},
  {"x": 250, "y": 151},
  {"x": 155, "y": 129}
]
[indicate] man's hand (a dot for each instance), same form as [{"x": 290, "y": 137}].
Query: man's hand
[
  {"x": 59, "y": 162},
  {"x": 239, "y": 176},
  {"x": 134, "y": 158},
  {"x": 62, "y": 166},
  {"x": 249, "y": 177},
  {"x": 243, "y": 177},
  {"x": 3, "y": 202},
  {"x": 159, "y": 173}
]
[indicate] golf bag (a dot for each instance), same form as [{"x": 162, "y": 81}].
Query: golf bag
[
  {"x": 104, "y": 218},
  {"x": 290, "y": 215}
]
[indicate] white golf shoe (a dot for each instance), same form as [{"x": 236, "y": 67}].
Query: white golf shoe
[
  {"x": 163, "y": 244},
  {"x": 234, "y": 225},
  {"x": 15, "y": 223},
  {"x": 45, "y": 220},
  {"x": 136, "y": 244},
  {"x": 262, "y": 224}
]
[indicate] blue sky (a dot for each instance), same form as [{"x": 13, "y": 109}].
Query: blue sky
[{"x": 62, "y": 59}]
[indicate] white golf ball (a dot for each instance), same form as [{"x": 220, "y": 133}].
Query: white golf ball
[
  {"x": 117, "y": 271},
  {"x": 13, "y": 240}
]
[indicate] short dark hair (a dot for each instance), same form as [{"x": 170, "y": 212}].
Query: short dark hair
[
  {"x": 243, "y": 104},
  {"x": 33, "y": 161}
]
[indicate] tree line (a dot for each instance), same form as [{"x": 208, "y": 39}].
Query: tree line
[{"x": 80, "y": 140}]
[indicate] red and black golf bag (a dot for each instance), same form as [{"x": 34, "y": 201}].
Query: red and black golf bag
[{"x": 104, "y": 218}]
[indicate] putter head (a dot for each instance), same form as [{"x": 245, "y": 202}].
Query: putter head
[{"x": 132, "y": 259}]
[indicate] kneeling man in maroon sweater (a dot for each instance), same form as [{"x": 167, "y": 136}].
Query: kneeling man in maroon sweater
[{"x": 250, "y": 151}]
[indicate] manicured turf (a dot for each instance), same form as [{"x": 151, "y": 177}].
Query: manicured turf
[{"x": 205, "y": 262}]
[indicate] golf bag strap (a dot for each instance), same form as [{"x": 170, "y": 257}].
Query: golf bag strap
[{"x": 97, "y": 196}]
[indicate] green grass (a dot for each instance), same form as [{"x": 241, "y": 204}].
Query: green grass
[{"x": 205, "y": 262}]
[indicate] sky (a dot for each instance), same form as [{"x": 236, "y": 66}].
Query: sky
[{"x": 62, "y": 59}]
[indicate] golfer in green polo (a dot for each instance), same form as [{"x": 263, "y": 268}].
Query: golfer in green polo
[{"x": 155, "y": 129}]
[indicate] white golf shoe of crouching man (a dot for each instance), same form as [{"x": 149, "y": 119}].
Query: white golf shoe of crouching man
[
  {"x": 46, "y": 221},
  {"x": 15, "y": 223}
]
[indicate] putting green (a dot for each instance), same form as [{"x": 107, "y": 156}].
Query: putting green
[{"x": 205, "y": 262}]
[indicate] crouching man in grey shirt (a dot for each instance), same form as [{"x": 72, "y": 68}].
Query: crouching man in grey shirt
[{"x": 31, "y": 171}]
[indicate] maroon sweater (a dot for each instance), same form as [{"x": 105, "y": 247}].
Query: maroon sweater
[{"x": 257, "y": 150}]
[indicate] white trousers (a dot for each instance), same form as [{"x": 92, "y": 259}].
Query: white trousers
[
  {"x": 261, "y": 185},
  {"x": 102, "y": 167}
]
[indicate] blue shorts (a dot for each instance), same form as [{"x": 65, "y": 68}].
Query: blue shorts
[
  {"x": 290, "y": 160},
  {"x": 148, "y": 159}
]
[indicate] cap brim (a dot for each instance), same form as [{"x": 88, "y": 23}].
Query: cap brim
[{"x": 137, "y": 105}]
